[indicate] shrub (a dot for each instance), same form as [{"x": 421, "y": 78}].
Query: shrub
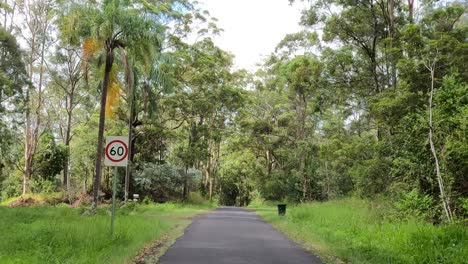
[
  {"x": 12, "y": 186},
  {"x": 160, "y": 181},
  {"x": 196, "y": 198},
  {"x": 163, "y": 181},
  {"x": 49, "y": 160},
  {"x": 42, "y": 186},
  {"x": 416, "y": 205},
  {"x": 147, "y": 200},
  {"x": 463, "y": 204}
]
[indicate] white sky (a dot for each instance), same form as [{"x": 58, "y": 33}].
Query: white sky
[{"x": 253, "y": 28}]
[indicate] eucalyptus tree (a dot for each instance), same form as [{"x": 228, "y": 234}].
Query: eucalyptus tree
[
  {"x": 67, "y": 90},
  {"x": 66, "y": 87},
  {"x": 226, "y": 100},
  {"x": 37, "y": 24},
  {"x": 207, "y": 94},
  {"x": 301, "y": 80},
  {"x": 106, "y": 28},
  {"x": 262, "y": 126}
]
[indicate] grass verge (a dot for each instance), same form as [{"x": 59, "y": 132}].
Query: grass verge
[
  {"x": 350, "y": 231},
  {"x": 48, "y": 234}
]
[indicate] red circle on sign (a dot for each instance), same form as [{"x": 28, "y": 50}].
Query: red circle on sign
[{"x": 110, "y": 144}]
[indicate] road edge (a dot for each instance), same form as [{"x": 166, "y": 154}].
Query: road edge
[{"x": 151, "y": 253}]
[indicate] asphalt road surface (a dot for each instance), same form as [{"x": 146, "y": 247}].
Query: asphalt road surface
[{"x": 234, "y": 235}]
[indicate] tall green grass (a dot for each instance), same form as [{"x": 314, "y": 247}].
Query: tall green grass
[
  {"x": 62, "y": 235},
  {"x": 354, "y": 232}
]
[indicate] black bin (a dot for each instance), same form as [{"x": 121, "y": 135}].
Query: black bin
[{"x": 281, "y": 209}]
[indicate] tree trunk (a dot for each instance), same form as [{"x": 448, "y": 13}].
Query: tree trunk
[
  {"x": 211, "y": 190},
  {"x": 207, "y": 171},
  {"x": 102, "y": 119},
  {"x": 372, "y": 53},
  {"x": 35, "y": 135},
  {"x": 328, "y": 179},
  {"x": 443, "y": 196},
  {"x": 27, "y": 141},
  {"x": 85, "y": 182},
  {"x": 27, "y": 144},
  {"x": 392, "y": 35},
  {"x": 32, "y": 135},
  {"x": 301, "y": 112},
  {"x": 410, "y": 11},
  {"x": 130, "y": 150},
  {"x": 269, "y": 158},
  {"x": 208, "y": 183},
  {"x": 215, "y": 167},
  {"x": 185, "y": 189},
  {"x": 66, "y": 181},
  {"x": 305, "y": 183}
]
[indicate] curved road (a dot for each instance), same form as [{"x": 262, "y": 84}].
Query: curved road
[{"x": 234, "y": 235}]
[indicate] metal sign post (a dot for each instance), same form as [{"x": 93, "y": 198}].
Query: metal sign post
[
  {"x": 114, "y": 190},
  {"x": 116, "y": 156}
]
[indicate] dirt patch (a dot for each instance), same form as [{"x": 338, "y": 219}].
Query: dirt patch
[
  {"x": 23, "y": 202},
  {"x": 149, "y": 252},
  {"x": 38, "y": 200},
  {"x": 82, "y": 200}
]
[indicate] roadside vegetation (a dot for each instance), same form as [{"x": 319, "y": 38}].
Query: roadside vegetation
[
  {"x": 59, "y": 234},
  {"x": 358, "y": 231}
]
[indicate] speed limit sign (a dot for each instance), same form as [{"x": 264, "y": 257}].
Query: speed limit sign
[{"x": 116, "y": 151}]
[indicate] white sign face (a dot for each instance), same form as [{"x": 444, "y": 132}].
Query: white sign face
[{"x": 116, "y": 151}]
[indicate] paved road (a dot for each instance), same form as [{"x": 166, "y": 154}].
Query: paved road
[{"x": 234, "y": 235}]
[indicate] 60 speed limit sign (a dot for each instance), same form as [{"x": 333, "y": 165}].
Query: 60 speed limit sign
[{"x": 116, "y": 151}]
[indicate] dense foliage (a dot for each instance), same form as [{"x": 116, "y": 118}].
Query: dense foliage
[{"x": 368, "y": 100}]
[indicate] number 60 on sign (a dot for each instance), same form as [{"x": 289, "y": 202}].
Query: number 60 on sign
[{"x": 116, "y": 151}]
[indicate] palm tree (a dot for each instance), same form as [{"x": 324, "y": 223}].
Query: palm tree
[{"x": 107, "y": 27}]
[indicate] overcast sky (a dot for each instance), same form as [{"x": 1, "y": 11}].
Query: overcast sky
[{"x": 253, "y": 28}]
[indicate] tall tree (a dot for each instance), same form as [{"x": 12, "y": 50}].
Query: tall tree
[
  {"x": 66, "y": 75},
  {"x": 37, "y": 23},
  {"x": 206, "y": 96},
  {"x": 301, "y": 79},
  {"x": 106, "y": 27}
]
